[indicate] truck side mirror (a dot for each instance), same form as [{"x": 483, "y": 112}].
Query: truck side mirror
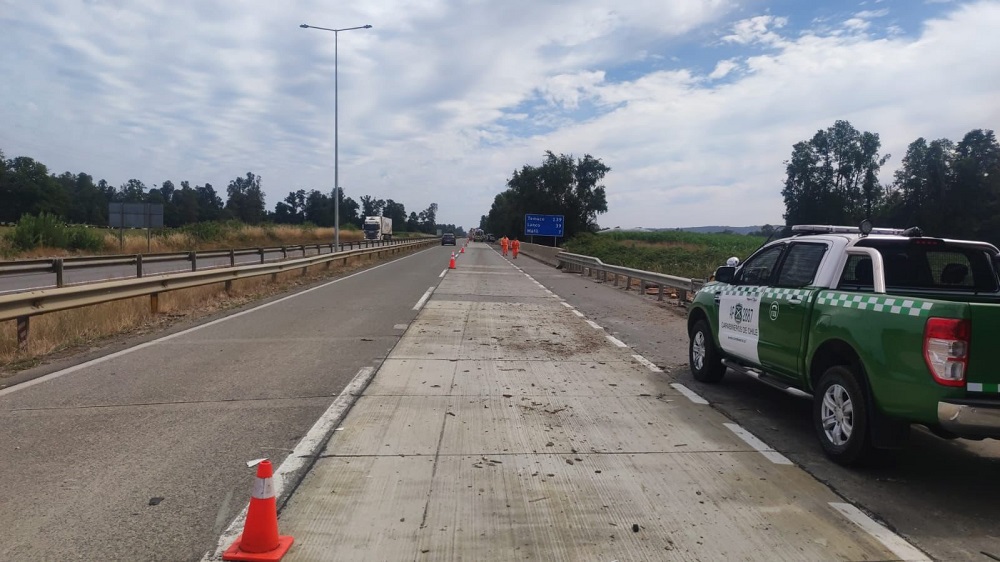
[{"x": 725, "y": 274}]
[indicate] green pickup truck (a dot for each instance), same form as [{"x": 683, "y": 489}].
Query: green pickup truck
[{"x": 881, "y": 328}]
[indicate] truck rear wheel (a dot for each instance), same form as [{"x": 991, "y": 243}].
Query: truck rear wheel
[
  {"x": 703, "y": 357},
  {"x": 841, "y": 417}
]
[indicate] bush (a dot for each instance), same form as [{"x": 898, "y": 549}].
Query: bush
[
  {"x": 79, "y": 238},
  {"x": 206, "y": 231},
  {"x": 44, "y": 230}
]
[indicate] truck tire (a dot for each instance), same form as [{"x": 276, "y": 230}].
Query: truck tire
[
  {"x": 703, "y": 357},
  {"x": 841, "y": 417}
]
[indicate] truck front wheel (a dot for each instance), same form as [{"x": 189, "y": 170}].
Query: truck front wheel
[
  {"x": 841, "y": 417},
  {"x": 706, "y": 365}
]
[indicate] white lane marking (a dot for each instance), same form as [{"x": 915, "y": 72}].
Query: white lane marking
[
  {"x": 649, "y": 364},
  {"x": 308, "y": 447},
  {"x": 898, "y": 545},
  {"x": 616, "y": 341},
  {"x": 115, "y": 355},
  {"x": 578, "y": 313},
  {"x": 691, "y": 395},
  {"x": 423, "y": 299},
  {"x": 400, "y": 326},
  {"x": 593, "y": 324},
  {"x": 760, "y": 446},
  {"x": 443, "y": 272},
  {"x": 566, "y": 304}
]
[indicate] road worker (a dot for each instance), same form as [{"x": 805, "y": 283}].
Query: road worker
[
  {"x": 515, "y": 247},
  {"x": 503, "y": 245}
]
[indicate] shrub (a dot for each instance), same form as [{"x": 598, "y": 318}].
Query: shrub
[
  {"x": 80, "y": 238},
  {"x": 44, "y": 230}
]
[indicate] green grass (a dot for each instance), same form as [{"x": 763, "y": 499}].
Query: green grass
[{"x": 685, "y": 254}]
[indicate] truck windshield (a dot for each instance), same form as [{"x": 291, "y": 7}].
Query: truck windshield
[
  {"x": 933, "y": 264},
  {"x": 371, "y": 227}
]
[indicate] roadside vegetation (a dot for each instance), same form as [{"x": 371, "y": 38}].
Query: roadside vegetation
[
  {"x": 47, "y": 236},
  {"x": 672, "y": 252}
]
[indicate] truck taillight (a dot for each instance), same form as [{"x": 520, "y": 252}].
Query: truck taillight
[{"x": 946, "y": 349}]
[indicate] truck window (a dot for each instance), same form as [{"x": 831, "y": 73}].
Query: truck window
[
  {"x": 800, "y": 264},
  {"x": 758, "y": 269},
  {"x": 934, "y": 264},
  {"x": 858, "y": 274}
]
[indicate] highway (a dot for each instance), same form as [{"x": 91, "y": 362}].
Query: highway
[{"x": 140, "y": 455}]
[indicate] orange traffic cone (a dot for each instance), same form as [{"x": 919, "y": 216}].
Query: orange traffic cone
[
  {"x": 260, "y": 540},
  {"x": 451, "y": 264},
  {"x": 461, "y": 250}
]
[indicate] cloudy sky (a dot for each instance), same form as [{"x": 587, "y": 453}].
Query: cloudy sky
[{"x": 694, "y": 104}]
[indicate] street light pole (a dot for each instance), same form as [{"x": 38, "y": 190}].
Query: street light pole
[{"x": 336, "y": 128}]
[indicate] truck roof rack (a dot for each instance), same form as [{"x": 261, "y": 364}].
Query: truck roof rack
[{"x": 834, "y": 229}]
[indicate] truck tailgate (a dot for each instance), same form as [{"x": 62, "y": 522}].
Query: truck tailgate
[{"x": 984, "y": 367}]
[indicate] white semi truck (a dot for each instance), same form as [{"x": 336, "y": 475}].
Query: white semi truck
[{"x": 378, "y": 228}]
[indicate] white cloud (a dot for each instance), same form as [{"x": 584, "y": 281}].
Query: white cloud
[{"x": 442, "y": 100}]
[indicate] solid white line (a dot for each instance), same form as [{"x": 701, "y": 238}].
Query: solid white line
[
  {"x": 616, "y": 341},
  {"x": 898, "y": 545},
  {"x": 649, "y": 364},
  {"x": 566, "y": 304},
  {"x": 117, "y": 354},
  {"x": 691, "y": 395},
  {"x": 578, "y": 313},
  {"x": 423, "y": 299},
  {"x": 307, "y": 447},
  {"x": 443, "y": 272},
  {"x": 760, "y": 446},
  {"x": 593, "y": 324}
]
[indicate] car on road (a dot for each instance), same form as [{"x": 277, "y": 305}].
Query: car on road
[
  {"x": 448, "y": 238},
  {"x": 879, "y": 328},
  {"x": 490, "y": 238}
]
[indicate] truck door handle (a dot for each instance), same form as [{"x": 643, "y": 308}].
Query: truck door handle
[
  {"x": 794, "y": 299},
  {"x": 717, "y": 298}
]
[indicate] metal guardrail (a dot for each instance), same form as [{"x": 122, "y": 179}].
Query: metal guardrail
[
  {"x": 58, "y": 266},
  {"x": 589, "y": 265},
  {"x": 22, "y": 306}
]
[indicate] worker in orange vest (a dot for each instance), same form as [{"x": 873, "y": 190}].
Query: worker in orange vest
[
  {"x": 515, "y": 246},
  {"x": 503, "y": 245}
]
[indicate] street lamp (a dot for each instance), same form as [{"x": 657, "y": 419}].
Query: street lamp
[{"x": 336, "y": 123}]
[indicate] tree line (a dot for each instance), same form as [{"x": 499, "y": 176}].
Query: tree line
[
  {"x": 27, "y": 188},
  {"x": 947, "y": 189}
]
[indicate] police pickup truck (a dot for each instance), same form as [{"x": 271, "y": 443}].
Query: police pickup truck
[{"x": 881, "y": 328}]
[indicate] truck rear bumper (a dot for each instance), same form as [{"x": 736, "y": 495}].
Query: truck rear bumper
[{"x": 970, "y": 418}]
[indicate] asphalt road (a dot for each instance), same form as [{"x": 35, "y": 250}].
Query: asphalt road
[
  {"x": 941, "y": 495},
  {"x": 141, "y": 455}
]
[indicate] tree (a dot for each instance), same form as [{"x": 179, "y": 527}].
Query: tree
[
  {"x": 371, "y": 207},
  {"x": 132, "y": 191},
  {"x": 560, "y": 186},
  {"x": 209, "y": 203},
  {"x": 246, "y": 199},
  {"x": 396, "y": 212},
  {"x": 833, "y": 177},
  {"x": 413, "y": 223},
  {"x": 428, "y": 219}
]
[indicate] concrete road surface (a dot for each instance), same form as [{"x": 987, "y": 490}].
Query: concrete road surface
[{"x": 507, "y": 426}]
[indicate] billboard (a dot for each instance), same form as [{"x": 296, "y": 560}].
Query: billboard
[{"x": 135, "y": 215}]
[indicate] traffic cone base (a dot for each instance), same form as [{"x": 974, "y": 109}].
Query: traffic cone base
[{"x": 234, "y": 552}]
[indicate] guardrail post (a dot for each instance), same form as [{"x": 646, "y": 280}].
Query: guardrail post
[
  {"x": 23, "y": 325},
  {"x": 232, "y": 258},
  {"x": 154, "y": 303},
  {"x": 261, "y": 252},
  {"x": 616, "y": 279},
  {"x": 303, "y": 247},
  {"x": 193, "y": 256},
  {"x": 138, "y": 266},
  {"x": 628, "y": 282},
  {"x": 284, "y": 253},
  {"x": 659, "y": 297},
  {"x": 57, "y": 265},
  {"x": 682, "y": 295}
]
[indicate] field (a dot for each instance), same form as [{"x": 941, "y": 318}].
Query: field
[{"x": 685, "y": 254}]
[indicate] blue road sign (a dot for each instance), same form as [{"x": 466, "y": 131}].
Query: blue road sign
[{"x": 543, "y": 225}]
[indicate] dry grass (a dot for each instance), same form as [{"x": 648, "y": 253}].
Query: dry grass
[{"x": 64, "y": 333}]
